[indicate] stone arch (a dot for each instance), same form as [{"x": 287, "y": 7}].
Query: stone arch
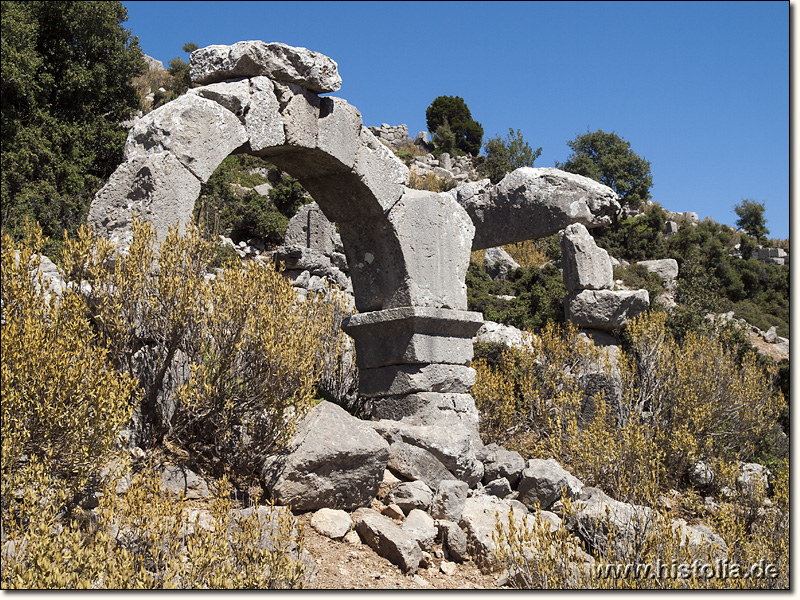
[{"x": 357, "y": 182}]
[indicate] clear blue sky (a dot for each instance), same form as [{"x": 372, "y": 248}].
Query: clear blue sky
[{"x": 700, "y": 89}]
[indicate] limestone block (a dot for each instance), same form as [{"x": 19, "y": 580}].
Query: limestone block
[
  {"x": 435, "y": 236},
  {"x": 585, "y": 265},
  {"x": 448, "y": 501},
  {"x": 497, "y": 333},
  {"x": 339, "y": 130},
  {"x": 498, "y": 263},
  {"x": 310, "y": 228},
  {"x": 530, "y": 203},
  {"x": 478, "y": 520},
  {"x": 411, "y": 335},
  {"x": 424, "y": 408},
  {"x": 666, "y": 268},
  {"x": 449, "y": 440},
  {"x": 542, "y": 482},
  {"x": 263, "y": 121},
  {"x": 300, "y": 112},
  {"x": 454, "y": 540},
  {"x": 670, "y": 227},
  {"x": 421, "y": 527},
  {"x": 331, "y": 523},
  {"x": 199, "y": 132},
  {"x": 406, "y": 379},
  {"x": 605, "y": 309},
  {"x": 388, "y": 540},
  {"x": 334, "y": 461},
  {"x": 380, "y": 170},
  {"x": 233, "y": 95},
  {"x": 417, "y": 463},
  {"x": 410, "y": 495},
  {"x": 499, "y": 462},
  {"x": 156, "y": 186},
  {"x": 277, "y": 61}
]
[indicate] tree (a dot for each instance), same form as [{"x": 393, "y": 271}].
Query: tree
[
  {"x": 503, "y": 156},
  {"x": 453, "y": 112},
  {"x": 751, "y": 218},
  {"x": 179, "y": 69},
  {"x": 607, "y": 158},
  {"x": 66, "y": 88}
]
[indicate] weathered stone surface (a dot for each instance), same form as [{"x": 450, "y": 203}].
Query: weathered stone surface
[
  {"x": 543, "y": 482},
  {"x": 585, "y": 265},
  {"x": 435, "y": 235},
  {"x": 155, "y": 186},
  {"x": 670, "y": 228},
  {"x": 498, "y": 487},
  {"x": 268, "y": 519},
  {"x": 388, "y": 540},
  {"x": 753, "y": 475},
  {"x": 420, "y": 526},
  {"x": 339, "y": 130},
  {"x": 498, "y": 263},
  {"x": 449, "y": 441},
  {"x": 530, "y": 203},
  {"x": 408, "y": 379},
  {"x": 701, "y": 474},
  {"x": 417, "y": 463},
  {"x": 497, "y": 333},
  {"x": 427, "y": 408},
  {"x": 454, "y": 540},
  {"x": 478, "y": 520},
  {"x": 300, "y": 111},
  {"x": 411, "y": 335},
  {"x": 331, "y": 523},
  {"x": 700, "y": 540},
  {"x": 277, "y": 61},
  {"x": 199, "y": 132},
  {"x": 263, "y": 121},
  {"x": 448, "y": 501},
  {"x": 666, "y": 268},
  {"x": 334, "y": 461},
  {"x": 596, "y": 513},
  {"x": 311, "y": 229},
  {"x": 605, "y": 309},
  {"x": 499, "y": 462},
  {"x": 182, "y": 480},
  {"x": 232, "y": 95},
  {"x": 380, "y": 170},
  {"x": 410, "y": 495}
]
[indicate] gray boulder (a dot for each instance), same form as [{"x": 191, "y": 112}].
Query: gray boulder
[
  {"x": 388, "y": 540},
  {"x": 277, "y": 61},
  {"x": 585, "y": 265},
  {"x": 498, "y": 487},
  {"x": 334, "y": 461},
  {"x": 497, "y": 333},
  {"x": 596, "y": 514},
  {"x": 417, "y": 463},
  {"x": 183, "y": 481},
  {"x": 421, "y": 527},
  {"x": 666, "y": 268},
  {"x": 499, "y": 462},
  {"x": 530, "y": 203},
  {"x": 310, "y": 228},
  {"x": 448, "y": 502},
  {"x": 268, "y": 519},
  {"x": 454, "y": 541},
  {"x": 498, "y": 263},
  {"x": 605, "y": 309},
  {"x": 478, "y": 520},
  {"x": 543, "y": 482},
  {"x": 331, "y": 523},
  {"x": 409, "y": 495},
  {"x": 701, "y": 474}
]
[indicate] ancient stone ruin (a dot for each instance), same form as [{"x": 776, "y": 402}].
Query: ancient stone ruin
[{"x": 407, "y": 251}]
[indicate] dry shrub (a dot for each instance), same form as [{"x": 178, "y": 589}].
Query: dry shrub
[
  {"x": 680, "y": 403},
  {"x": 430, "y": 182},
  {"x": 63, "y": 403},
  {"x": 528, "y": 253},
  {"x": 230, "y": 361},
  {"x": 146, "y": 539}
]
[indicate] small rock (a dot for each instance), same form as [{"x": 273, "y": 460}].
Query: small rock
[
  {"x": 448, "y": 568},
  {"x": 351, "y": 537},
  {"x": 393, "y": 512},
  {"x": 331, "y": 523}
]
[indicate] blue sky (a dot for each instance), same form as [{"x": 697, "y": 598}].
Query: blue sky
[{"x": 700, "y": 89}]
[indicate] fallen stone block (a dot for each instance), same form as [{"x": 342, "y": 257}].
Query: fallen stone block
[
  {"x": 605, "y": 309},
  {"x": 543, "y": 482},
  {"x": 388, "y": 540}
]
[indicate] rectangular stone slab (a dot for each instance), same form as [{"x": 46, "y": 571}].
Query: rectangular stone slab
[
  {"x": 413, "y": 335},
  {"x": 407, "y": 379}
]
